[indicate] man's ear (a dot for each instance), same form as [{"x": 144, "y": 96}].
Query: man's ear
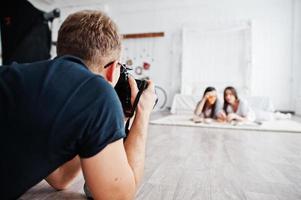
[{"x": 110, "y": 71}]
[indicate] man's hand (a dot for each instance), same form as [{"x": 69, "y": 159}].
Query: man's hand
[
  {"x": 134, "y": 88},
  {"x": 147, "y": 99}
]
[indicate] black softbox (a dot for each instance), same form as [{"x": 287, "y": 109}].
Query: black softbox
[{"x": 25, "y": 34}]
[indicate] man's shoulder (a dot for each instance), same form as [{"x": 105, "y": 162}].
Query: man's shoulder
[
  {"x": 51, "y": 65},
  {"x": 73, "y": 69},
  {"x": 69, "y": 62}
]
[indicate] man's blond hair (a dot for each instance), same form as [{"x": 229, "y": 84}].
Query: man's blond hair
[{"x": 90, "y": 35}]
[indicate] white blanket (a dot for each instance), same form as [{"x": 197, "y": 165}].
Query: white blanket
[{"x": 274, "y": 126}]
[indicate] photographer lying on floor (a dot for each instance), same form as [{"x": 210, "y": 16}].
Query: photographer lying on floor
[{"x": 61, "y": 116}]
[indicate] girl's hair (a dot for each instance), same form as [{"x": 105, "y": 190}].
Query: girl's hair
[
  {"x": 209, "y": 89},
  {"x": 234, "y": 92}
]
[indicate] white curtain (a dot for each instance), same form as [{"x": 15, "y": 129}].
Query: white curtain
[{"x": 216, "y": 57}]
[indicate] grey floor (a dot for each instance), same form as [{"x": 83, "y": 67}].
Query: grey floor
[{"x": 185, "y": 163}]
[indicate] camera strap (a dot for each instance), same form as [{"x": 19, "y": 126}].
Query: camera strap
[{"x": 132, "y": 112}]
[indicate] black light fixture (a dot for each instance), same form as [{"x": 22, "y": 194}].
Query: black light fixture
[{"x": 50, "y": 16}]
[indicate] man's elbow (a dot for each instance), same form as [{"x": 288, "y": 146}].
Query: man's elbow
[
  {"x": 118, "y": 192},
  {"x": 128, "y": 193},
  {"x": 60, "y": 185}
]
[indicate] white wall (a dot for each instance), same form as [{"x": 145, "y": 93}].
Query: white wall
[
  {"x": 297, "y": 57},
  {"x": 215, "y": 49},
  {"x": 272, "y": 31}
]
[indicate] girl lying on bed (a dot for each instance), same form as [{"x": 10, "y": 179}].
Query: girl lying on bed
[
  {"x": 236, "y": 109},
  {"x": 209, "y": 107}
]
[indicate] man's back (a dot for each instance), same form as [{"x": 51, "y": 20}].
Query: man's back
[{"x": 51, "y": 111}]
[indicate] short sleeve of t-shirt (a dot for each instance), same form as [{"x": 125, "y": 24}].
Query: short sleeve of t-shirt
[{"x": 104, "y": 123}]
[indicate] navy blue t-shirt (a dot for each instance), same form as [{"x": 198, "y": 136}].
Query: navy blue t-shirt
[{"x": 51, "y": 111}]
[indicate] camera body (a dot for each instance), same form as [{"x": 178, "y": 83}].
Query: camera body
[{"x": 123, "y": 91}]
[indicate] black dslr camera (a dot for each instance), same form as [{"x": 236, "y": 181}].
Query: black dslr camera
[{"x": 123, "y": 91}]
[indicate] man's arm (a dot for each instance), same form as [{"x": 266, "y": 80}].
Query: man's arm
[
  {"x": 135, "y": 146},
  {"x": 116, "y": 171},
  {"x": 136, "y": 140},
  {"x": 108, "y": 174}
]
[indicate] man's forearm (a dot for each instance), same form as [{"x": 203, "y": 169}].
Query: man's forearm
[{"x": 135, "y": 145}]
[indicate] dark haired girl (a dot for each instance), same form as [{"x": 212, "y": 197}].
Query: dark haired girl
[{"x": 208, "y": 107}]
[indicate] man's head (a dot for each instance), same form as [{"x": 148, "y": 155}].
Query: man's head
[{"x": 92, "y": 36}]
